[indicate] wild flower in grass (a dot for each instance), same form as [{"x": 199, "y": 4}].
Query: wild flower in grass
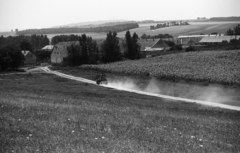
[
  {"x": 201, "y": 145},
  {"x": 103, "y": 137},
  {"x": 192, "y": 137},
  {"x": 73, "y": 131},
  {"x": 96, "y": 138}
]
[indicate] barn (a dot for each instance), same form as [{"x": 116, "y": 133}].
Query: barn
[
  {"x": 217, "y": 39},
  {"x": 152, "y": 47},
  {"x": 30, "y": 58},
  {"x": 60, "y": 52}
]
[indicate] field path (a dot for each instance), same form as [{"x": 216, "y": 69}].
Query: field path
[{"x": 47, "y": 70}]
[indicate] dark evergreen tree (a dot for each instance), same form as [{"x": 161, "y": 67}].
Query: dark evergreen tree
[
  {"x": 74, "y": 55},
  {"x": 136, "y": 46},
  {"x": 132, "y": 46},
  {"x": 84, "y": 44},
  {"x": 10, "y": 56},
  {"x": 26, "y": 45},
  {"x": 129, "y": 45},
  {"x": 110, "y": 48}
]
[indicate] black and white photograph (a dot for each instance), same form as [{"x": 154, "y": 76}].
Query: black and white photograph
[{"x": 119, "y": 76}]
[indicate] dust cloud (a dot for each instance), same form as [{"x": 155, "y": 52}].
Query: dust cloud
[{"x": 209, "y": 93}]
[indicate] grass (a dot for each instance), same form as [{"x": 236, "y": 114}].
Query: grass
[
  {"x": 39, "y": 113},
  {"x": 211, "y": 66}
]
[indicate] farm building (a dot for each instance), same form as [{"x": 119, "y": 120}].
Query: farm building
[
  {"x": 152, "y": 47},
  {"x": 48, "y": 48},
  {"x": 30, "y": 58},
  {"x": 60, "y": 52},
  {"x": 186, "y": 40},
  {"x": 217, "y": 39}
]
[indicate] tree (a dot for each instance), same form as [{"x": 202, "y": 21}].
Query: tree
[
  {"x": 86, "y": 52},
  {"x": 132, "y": 46},
  {"x": 10, "y": 56},
  {"x": 26, "y": 45},
  {"x": 235, "y": 31},
  {"x": 136, "y": 46},
  {"x": 93, "y": 51},
  {"x": 129, "y": 49},
  {"x": 110, "y": 48},
  {"x": 74, "y": 55},
  {"x": 144, "y": 36}
]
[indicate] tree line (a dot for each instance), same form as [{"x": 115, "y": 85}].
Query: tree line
[
  {"x": 234, "y": 31},
  {"x": 11, "y": 47},
  {"x": 36, "y": 41},
  {"x": 88, "y": 52},
  {"x": 10, "y": 57},
  {"x": 62, "y": 38},
  {"x": 233, "y": 18},
  {"x": 152, "y": 27},
  {"x": 117, "y": 28},
  {"x": 144, "y": 36}
]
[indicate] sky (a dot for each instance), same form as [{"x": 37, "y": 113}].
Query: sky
[{"x": 28, "y": 14}]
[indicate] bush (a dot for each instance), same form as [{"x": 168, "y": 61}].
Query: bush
[
  {"x": 177, "y": 47},
  {"x": 190, "y": 48}
]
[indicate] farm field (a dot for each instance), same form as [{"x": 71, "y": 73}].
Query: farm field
[
  {"x": 45, "y": 113},
  {"x": 211, "y": 66},
  {"x": 193, "y": 28}
]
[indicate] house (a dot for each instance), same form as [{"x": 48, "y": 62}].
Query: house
[
  {"x": 60, "y": 52},
  {"x": 48, "y": 48},
  {"x": 152, "y": 47},
  {"x": 30, "y": 58}
]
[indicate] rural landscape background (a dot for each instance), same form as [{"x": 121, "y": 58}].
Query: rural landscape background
[{"x": 119, "y": 76}]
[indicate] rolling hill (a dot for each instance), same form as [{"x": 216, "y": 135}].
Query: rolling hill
[{"x": 193, "y": 28}]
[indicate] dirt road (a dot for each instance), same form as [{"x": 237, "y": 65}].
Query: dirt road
[{"x": 47, "y": 70}]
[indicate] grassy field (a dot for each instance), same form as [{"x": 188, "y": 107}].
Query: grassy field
[
  {"x": 211, "y": 66},
  {"x": 45, "y": 113}
]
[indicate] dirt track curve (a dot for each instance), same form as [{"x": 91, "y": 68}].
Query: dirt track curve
[{"x": 47, "y": 70}]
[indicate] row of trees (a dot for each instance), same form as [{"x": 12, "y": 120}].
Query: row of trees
[
  {"x": 10, "y": 57},
  {"x": 234, "y": 31},
  {"x": 33, "y": 41},
  {"x": 168, "y": 24},
  {"x": 62, "y": 38},
  {"x": 87, "y": 51},
  {"x": 144, "y": 36}
]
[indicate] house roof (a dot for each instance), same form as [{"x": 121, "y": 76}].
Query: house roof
[
  {"x": 218, "y": 39},
  {"x": 25, "y": 52},
  {"x": 160, "y": 44},
  {"x": 67, "y": 43},
  {"x": 147, "y": 43},
  {"x": 48, "y": 47}
]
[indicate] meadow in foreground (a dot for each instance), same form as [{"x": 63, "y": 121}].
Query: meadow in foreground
[{"x": 45, "y": 113}]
